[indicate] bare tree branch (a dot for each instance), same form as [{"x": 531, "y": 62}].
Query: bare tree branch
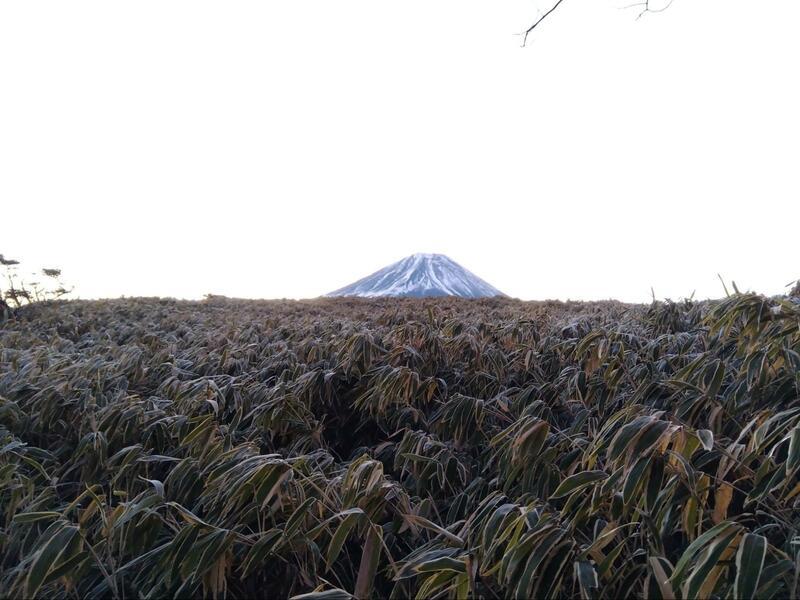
[
  {"x": 539, "y": 20},
  {"x": 644, "y": 5}
]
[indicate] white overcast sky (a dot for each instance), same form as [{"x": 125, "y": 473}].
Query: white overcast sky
[{"x": 284, "y": 148}]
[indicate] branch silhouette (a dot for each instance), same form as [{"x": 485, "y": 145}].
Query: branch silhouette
[{"x": 645, "y": 5}]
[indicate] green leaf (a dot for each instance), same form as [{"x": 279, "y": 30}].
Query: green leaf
[
  {"x": 530, "y": 443},
  {"x": 634, "y": 479},
  {"x": 537, "y": 555},
  {"x": 440, "y": 559},
  {"x": 706, "y": 438},
  {"x": 661, "y": 568},
  {"x": 696, "y": 546},
  {"x": 649, "y": 437},
  {"x": 260, "y": 550},
  {"x": 793, "y": 459},
  {"x": 626, "y": 433},
  {"x": 297, "y": 517},
  {"x": 159, "y": 487},
  {"x": 271, "y": 483},
  {"x": 712, "y": 556},
  {"x": 199, "y": 431},
  {"x": 32, "y": 517},
  {"x": 334, "y": 594},
  {"x": 368, "y": 568},
  {"x": 426, "y": 524},
  {"x": 749, "y": 565},
  {"x": 67, "y": 566},
  {"x": 339, "y": 537},
  {"x": 587, "y": 577},
  {"x": 445, "y": 563},
  {"x": 56, "y": 539},
  {"x": 576, "y": 482}
]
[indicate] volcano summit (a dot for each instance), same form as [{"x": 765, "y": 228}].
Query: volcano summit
[{"x": 420, "y": 276}]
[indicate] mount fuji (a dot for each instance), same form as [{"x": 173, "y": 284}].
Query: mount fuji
[{"x": 420, "y": 276}]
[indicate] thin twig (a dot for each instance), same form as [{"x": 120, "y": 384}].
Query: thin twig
[{"x": 646, "y": 7}]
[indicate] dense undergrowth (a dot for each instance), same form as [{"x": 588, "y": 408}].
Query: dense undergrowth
[{"x": 400, "y": 448}]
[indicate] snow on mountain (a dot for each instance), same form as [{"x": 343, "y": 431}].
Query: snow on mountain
[{"x": 421, "y": 275}]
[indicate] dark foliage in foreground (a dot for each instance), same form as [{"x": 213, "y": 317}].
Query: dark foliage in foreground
[{"x": 486, "y": 449}]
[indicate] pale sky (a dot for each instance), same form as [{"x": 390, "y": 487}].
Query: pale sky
[{"x": 285, "y": 148}]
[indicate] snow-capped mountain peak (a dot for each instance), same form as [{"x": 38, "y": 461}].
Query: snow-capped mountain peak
[{"x": 421, "y": 275}]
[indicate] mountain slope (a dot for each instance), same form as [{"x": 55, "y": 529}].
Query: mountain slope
[{"x": 421, "y": 275}]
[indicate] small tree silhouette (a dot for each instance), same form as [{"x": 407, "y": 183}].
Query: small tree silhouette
[{"x": 18, "y": 292}]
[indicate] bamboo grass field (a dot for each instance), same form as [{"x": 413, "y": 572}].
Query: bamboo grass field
[{"x": 400, "y": 448}]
